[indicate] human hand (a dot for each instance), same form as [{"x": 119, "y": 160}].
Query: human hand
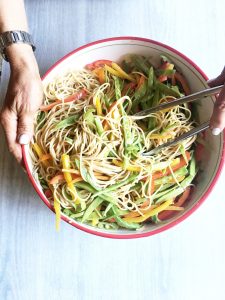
[
  {"x": 23, "y": 98},
  {"x": 217, "y": 121}
]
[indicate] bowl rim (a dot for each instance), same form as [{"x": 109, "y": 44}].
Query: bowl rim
[{"x": 135, "y": 234}]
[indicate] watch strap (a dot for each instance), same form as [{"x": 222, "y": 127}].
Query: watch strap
[{"x": 8, "y": 38}]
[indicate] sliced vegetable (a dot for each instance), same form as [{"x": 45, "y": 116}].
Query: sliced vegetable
[
  {"x": 40, "y": 154},
  {"x": 100, "y": 72},
  {"x": 118, "y": 73},
  {"x": 57, "y": 179},
  {"x": 180, "y": 78},
  {"x": 98, "y": 64},
  {"x": 57, "y": 208},
  {"x": 68, "y": 177},
  {"x": 141, "y": 63},
  {"x": 118, "y": 87},
  {"x": 178, "y": 203},
  {"x": 99, "y": 126},
  {"x": 77, "y": 96},
  {"x": 94, "y": 204},
  {"x": 129, "y": 167},
  {"x": 122, "y": 73},
  {"x": 165, "y": 89},
  {"x": 149, "y": 214},
  {"x": 98, "y": 106},
  {"x": 45, "y": 157},
  {"x": 121, "y": 222},
  {"x": 67, "y": 122}
]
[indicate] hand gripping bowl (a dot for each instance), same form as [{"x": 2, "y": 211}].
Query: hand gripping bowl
[{"x": 213, "y": 158}]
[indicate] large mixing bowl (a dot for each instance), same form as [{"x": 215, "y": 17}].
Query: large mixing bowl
[{"x": 212, "y": 156}]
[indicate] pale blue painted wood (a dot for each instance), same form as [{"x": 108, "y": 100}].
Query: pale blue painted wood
[{"x": 186, "y": 262}]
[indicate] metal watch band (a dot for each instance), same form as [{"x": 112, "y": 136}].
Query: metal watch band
[{"x": 8, "y": 38}]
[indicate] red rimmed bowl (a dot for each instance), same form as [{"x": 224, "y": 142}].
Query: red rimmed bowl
[{"x": 212, "y": 156}]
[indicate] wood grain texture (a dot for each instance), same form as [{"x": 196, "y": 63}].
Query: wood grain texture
[{"x": 186, "y": 262}]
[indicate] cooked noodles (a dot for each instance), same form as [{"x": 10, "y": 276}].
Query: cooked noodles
[{"x": 87, "y": 147}]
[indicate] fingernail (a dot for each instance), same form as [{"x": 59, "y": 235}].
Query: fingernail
[
  {"x": 24, "y": 139},
  {"x": 216, "y": 131}
]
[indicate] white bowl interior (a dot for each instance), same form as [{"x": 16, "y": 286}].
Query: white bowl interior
[{"x": 115, "y": 50}]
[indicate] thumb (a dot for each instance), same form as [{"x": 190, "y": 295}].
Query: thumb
[
  {"x": 219, "y": 80},
  {"x": 217, "y": 122},
  {"x": 25, "y": 128}
]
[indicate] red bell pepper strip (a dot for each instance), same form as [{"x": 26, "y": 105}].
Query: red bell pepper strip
[
  {"x": 183, "y": 82},
  {"x": 77, "y": 96},
  {"x": 98, "y": 64}
]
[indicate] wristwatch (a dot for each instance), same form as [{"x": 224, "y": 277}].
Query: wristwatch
[{"x": 8, "y": 38}]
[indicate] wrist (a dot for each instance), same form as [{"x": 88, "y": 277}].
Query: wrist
[{"x": 21, "y": 56}]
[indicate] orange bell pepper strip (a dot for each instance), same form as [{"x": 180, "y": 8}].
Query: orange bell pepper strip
[
  {"x": 45, "y": 157},
  {"x": 174, "y": 168},
  {"x": 179, "y": 203},
  {"x": 100, "y": 73}
]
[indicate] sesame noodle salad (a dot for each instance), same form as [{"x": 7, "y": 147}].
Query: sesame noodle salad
[{"x": 88, "y": 144}]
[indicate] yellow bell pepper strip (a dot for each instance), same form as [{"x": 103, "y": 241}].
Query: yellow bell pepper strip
[
  {"x": 170, "y": 209},
  {"x": 151, "y": 213},
  {"x": 40, "y": 154},
  {"x": 159, "y": 136},
  {"x": 122, "y": 73},
  {"x": 38, "y": 150},
  {"x": 98, "y": 106},
  {"x": 68, "y": 177},
  {"x": 57, "y": 213},
  {"x": 118, "y": 73},
  {"x": 131, "y": 168}
]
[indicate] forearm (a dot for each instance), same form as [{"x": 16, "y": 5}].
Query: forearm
[{"x": 12, "y": 15}]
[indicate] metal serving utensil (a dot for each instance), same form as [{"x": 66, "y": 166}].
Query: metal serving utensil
[
  {"x": 182, "y": 100},
  {"x": 184, "y": 136},
  {"x": 185, "y": 99}
]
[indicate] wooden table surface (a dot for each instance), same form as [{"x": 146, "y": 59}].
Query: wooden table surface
[{"x": 186, "y": 262}]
